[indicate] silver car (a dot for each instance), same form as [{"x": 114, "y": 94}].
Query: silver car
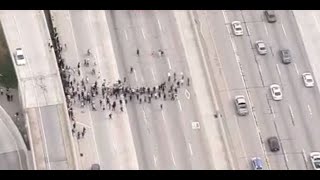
[
  {"x": 315, "y": 160},
  {"x": 241, "y": 105},
  {"x": 261, "y": 47}
]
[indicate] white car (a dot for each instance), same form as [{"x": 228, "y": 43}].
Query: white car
[
  {"x": 237, "y": 28},
  {"x": 20, "y": 57},
  {"x": 276, "y": 92},
  {"x": 261, "y": 47},
  {"x": 315, "y": 160},
  {"x": 308, "y": 79}
]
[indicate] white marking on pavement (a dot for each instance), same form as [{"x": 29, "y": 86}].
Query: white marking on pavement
[
  {"x": 135, "y": 75},
  {"x": 233, "y": 45},
  {"x": 296, "y": 67},
  {"x": 309, "y": 110},
  {"x": 260, "y": 69},
  {"x": 83, "y": 124},
  {"x": 155, "y": 160},
  {"x": 169, "y": 63},
  {"x": 187, "y": 94},
  {"x": 159, "y": 24},
  {"x": 272, "y": 111},
  {"x": 265, "y": 28},
  {"x": 125, "y": 34},
  {"x": 143, "y": 33},
  {"x": 225, "y": 16},
  {"x": 284, "y": 31},
  {"x": 304, "y": 155},
  {"x": 190, "y": 149},
  {"x": 179, "y": 105},
  {"x": 174, "y": 162},
  {"x": 291, "y": 112},
  {"x": 144, "y": 116},
  {"x": 239, "y": 135},
  {"x": 154, "y": 78},
  {"x": 285, "y": 155},
  {"x": 163, "y": 116},
  {"x": 278, "y": 69},
  {"x": 315, "y": 18},
  {"x": 248, "y": 29}
]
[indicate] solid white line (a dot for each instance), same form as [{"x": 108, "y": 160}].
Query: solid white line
[
  {"x": 296, "y": 67},
  {"x": 239, "y": 135},
  {"x": 265, "y": 28},
  {"x": 125, "y": 33},
  {"x": 309, "y": 110},
  {"x": 248, "y": 30},
  {"x": 159, "y": 25},
  {"x": 233, "y": 44},
  {"x": 154, "y": 78},
  {"x": 82, "y": 124},
  {"x": 155, "y": 160},
  {"x": 260, "y": 69},
  {"x": 225, "y": 16},
  {"x": 285, "y": 155},
  {"x": 169, "y": 63},
  {"x": 284, "y": 31},
  {"x": 144, "y": 116},
  {"x": 274, "y": 116},
  {"x": 304, "y": 155},
  {"x": 278, "y": 70},
  {"x": 187, "y": 94},
  {"x": 291, "y": 112},
  {"x": 179, "y": 105},
  {"x": 143, "y": 33},
  {"x": 135, "y": 75},
  {"x": 190, "y": 148},
  {"x": 163, "y": 116},
  {"x": 174, "y": 162}
]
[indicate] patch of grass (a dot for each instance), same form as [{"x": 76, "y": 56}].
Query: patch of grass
[{"x": 8, "y": 76}]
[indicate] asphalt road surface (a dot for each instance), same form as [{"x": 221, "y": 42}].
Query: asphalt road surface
[
  {"x": 294, "y": 119},
  {"x": 164, "y": 139}
]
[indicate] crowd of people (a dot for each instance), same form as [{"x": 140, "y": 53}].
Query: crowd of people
[{"x": 108, "y": 96}]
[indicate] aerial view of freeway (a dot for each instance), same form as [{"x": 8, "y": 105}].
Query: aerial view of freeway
[{"x": 159, "y": 90}]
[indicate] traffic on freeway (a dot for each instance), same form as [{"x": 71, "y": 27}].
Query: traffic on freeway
[{"x": 193, "y": 89}]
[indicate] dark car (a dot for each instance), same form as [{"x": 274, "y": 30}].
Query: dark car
[
  {"x": 285, "y": 56},
  {"x": 274, "y": 144},
  {"x": 95, "y": 167},
  {"x": 271, "y": 16}
]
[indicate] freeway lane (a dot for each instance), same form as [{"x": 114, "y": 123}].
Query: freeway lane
[
  {"x": 286, "y": 119},
  {"x": 153, "y": 30}
]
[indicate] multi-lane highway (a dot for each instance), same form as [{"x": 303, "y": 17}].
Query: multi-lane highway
[{"x": 294, "y": 119}]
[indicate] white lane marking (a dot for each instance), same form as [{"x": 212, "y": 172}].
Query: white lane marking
[
  {"x": 272, "y": 111},
  {"x": 174, "y": 162},
  {"x": 260, "y": 69},
  {"x": 163, "y": 117},
  {"x": 266, "y": 29},
  {"x": 155, "y": 160},
  {"x": 315, "y": 18},
  {"x": 284, "y": 31},
  {"x": 144, "y": 37},
  {"x": 309, "y": 110},
  {"x": 285, "y": 155},
  {"x": 240, "y": 138},
  {"x": 159, "y": 24},
  {"x": 247, "y": 27},
  {"x": 190, "y": 149},
  {"x": 304, "y": 155},
  {"x": 125, "y": 34},
  {"x": 169, "y": 63},
  {"x": 291, "y": 112},
  {"x": 225, "y": 16},
  {"x": 83, "y": 124},
  {"x": 135, "y": 75},
  {"x": 154, "y": 78},
  {"x": 179, "y": 105},
  {"x": 296, "y": 67},
  {"x": 144, "y": 116},
  {"x": 233, "y": 45},
  {"x": 187, "y": 94},
  {"x": 278, "y": 69}
]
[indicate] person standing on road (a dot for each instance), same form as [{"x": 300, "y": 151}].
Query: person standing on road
[
  {"x": 161, "y": 106},
  {"x": 110, "y": 116},
  {"x": 138, "y": 52}
]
